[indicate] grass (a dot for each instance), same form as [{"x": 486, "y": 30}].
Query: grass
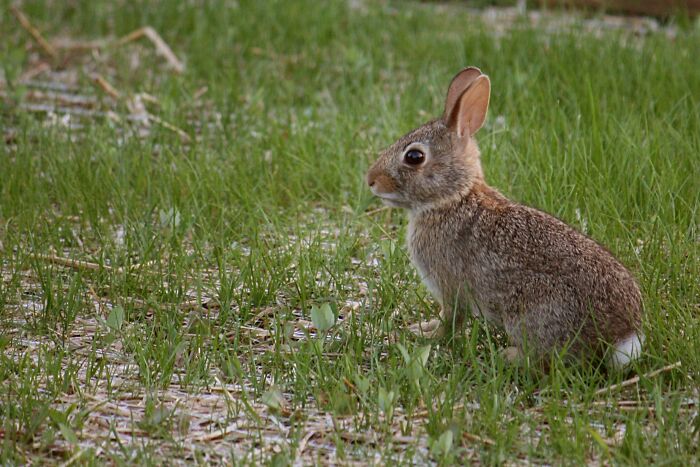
[{"x": 250, "y": 304}]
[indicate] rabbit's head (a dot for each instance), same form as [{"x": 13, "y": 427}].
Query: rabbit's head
[{"x": 439, "y": 160}]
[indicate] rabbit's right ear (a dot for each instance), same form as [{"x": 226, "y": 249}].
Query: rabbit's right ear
[
  {"x": 469, "y": 112},
  {"x": 458, "y": 85}
]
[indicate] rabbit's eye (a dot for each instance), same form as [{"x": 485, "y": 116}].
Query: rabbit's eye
[{"x": 414, "y": 157}]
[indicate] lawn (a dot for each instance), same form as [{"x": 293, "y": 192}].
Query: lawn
[{"x": 194, "y": 271}]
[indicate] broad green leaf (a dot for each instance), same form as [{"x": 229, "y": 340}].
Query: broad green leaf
[
  {"x": 388, "y": 248},
  {"x": 115, "y": 320},
  {"x": 423, "y": 354},
  {"x": 58, "y": 416},
  {"x": 443, "y": 445},
  {"x": 417, "y": 363},
  {"x": 386, "y": 400},
  {"x": 404, "y": 352},
  {"x": 273, "y": 399},
  {"x": 280, "y": 459},
  {"x": 322, "y": 317},
  {"x": 68, "y": 434},
  {"x": 362, "y": 383}
]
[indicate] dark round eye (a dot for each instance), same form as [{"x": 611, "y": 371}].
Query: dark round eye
[{"x": 414, "y": 157}]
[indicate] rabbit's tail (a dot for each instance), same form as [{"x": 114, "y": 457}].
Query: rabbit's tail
[{"x": 626, "y": 350}]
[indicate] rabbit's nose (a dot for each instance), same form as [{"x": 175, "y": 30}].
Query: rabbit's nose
[{"x": 371, "y": 179}]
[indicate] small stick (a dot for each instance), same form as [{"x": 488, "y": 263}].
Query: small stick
[
  {"x": 68, "y": 262},
  {"x": 355, "y": 436},
  {"x": 68, "y": 44},
  {"x": 98, "y": 303},
  {"x": 28, "y": 75},
  {"x": 104, "y": 406},
  {"x": 304, "y": 441},
  {"x": 375, "y": 211},
  {"x": 79, "y": 264},
  {"x": 267, "y": 311},
  {"x": 229, "y": 430},
  {"x": 261, "y": 333},
  {"x": 223, "y": 388},
  {"x": 187, "y": 138},
  {"x": 193, "y": 304},
  {"x": 229, "y": 398},
  {"x": 74, "y": 457},
  {"x": 478, "y": 439},
  {"x": 161, "y": 47},
  {"x": 27, "y": 25},
  {"x": 635, "y": 379},
  {"x": 106, "y": 87},
  {"x": 149, "y": 98},
  {"x": 200, "y": 92}
]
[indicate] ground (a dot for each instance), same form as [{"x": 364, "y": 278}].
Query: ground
[{"x": 193, "y": 270}]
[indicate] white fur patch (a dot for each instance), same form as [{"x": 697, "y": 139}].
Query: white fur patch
[
  {"x": 431, "y": 285},
  {"x": 627, "y": 350}
]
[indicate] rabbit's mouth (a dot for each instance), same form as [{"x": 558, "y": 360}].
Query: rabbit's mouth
[
  {"x": 391, "y": 199},
  {"x": 392, "y": 202}
]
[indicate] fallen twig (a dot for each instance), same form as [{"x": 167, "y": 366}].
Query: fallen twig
[
  {"x": 635, "y": 379},
  {"x": 200, "y": 92},
  {"x": 68, "y": 262},
  {"x": 76, "y": 45},
  {"x": 60, "y": 98},
  {"x": 354, "y": 436},
  {"x": 149, "y": 98},
  {"x": 267, "y": 311},
  {"x": 29, "y": 27},
  {"x": 377, "y": 210},
  {"x": 260, "y": 333},
  {"x": 187, "y": 138},
  {"x": 35, "y": 71},
  {"x": 105, "y": 406},
  {"x": 74, "y": 457},
  {"x": 229, "y": 430},
  {"x": 478, "y": 439},
  {"x": 99, "y": 307},
  {"x": 161, "y": 46},
  {"x": 138, "y": 109},
  {"x": 194, "y": 304},
  {"x": 304, "y": 441},
  {"x": 106, "y": 87},
  {"x": 80, "y": 264}
]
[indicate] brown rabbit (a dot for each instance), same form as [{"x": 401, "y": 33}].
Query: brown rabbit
[{"x": 548, "y": 285}]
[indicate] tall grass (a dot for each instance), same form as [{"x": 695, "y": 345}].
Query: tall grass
[{"x": 268, "y": 208}]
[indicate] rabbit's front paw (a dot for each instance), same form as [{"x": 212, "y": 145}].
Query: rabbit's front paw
[
  {"x": 430, "y": 329},
  {"x": 512, "y": 355}
]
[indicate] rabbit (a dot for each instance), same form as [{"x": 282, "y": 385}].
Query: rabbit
[{"x": 549, "y": 286}]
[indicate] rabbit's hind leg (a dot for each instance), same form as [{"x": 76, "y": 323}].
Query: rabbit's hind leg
[
  {"x": 451, "y": 319},
  {"x": 431, "y": 329}
]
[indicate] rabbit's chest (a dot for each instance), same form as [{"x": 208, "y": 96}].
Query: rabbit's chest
[
  {"x": 428, "y": 279},
  {"x": 451, "y": 288},
  {"x": 447, "y": 274},
  {"x": 424, "y": 259}
]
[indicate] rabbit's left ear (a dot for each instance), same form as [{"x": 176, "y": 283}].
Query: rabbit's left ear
[
  {"x": 469, "y": 112},
  {"x": 458, "y": 85}
]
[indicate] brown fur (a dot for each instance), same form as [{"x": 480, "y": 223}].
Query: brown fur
[{"x": 546, "y": 284}]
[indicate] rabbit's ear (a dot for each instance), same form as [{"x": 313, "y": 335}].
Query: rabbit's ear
[
  {"x": 469, "y": 111},
  {"x": 459, "y": 83}
]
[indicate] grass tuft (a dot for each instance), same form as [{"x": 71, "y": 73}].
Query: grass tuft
[{"x": 236, "y": 295}]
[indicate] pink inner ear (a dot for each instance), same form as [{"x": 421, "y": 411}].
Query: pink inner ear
[
  {"x": 470, "y": 110},
  {"x": 458, "y": 85}
]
